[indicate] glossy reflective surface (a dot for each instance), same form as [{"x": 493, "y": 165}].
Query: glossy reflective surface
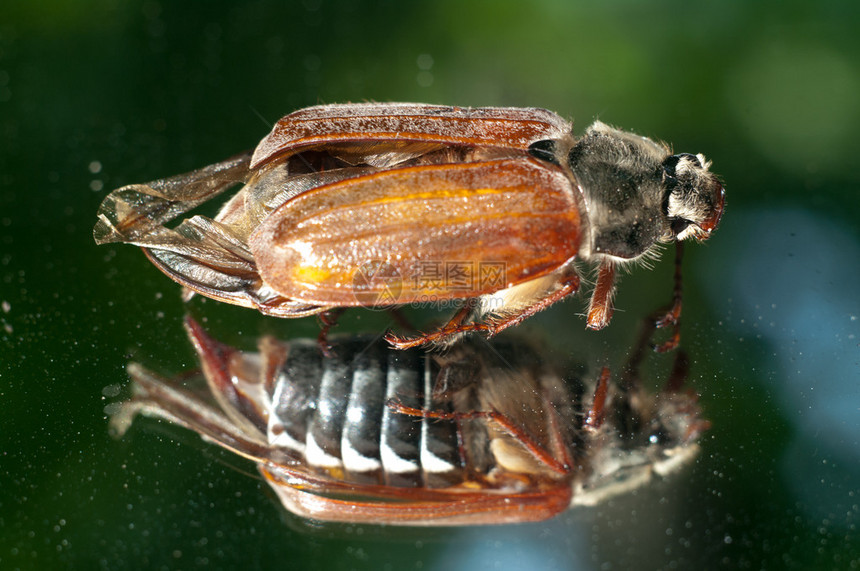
[{"x": 101, "y": 94}]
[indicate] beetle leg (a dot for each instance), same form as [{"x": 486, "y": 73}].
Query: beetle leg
[
  {"x": 600, "y": 306},
  {"x": 679, "y": 374},
  {"x": 569, "y": 284},
  {"x": 630, "y": 381},
  {"x": 597, "y": 413},
  {"x": 504, "y": 318},
  {"x": 233, "y": 380},
  {"x": 454, "y": 327},
  {"x": 630, "y": 378},
  {"x": 510, "y": 427},
  {"x": 672, "y": 316},
  {"x": 328, "y": 319},
  {"x": 677, "y": 378}
]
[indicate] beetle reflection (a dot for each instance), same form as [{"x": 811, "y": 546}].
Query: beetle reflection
[{"x": 485, "y": 433}]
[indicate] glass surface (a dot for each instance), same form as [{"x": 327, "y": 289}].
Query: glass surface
[{"x": 98, "y": 94}]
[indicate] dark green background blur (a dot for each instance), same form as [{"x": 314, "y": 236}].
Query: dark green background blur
[{"x": 99, "y": 94}]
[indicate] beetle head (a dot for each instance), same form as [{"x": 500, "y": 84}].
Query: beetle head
[{"x": 694, "y": 198}]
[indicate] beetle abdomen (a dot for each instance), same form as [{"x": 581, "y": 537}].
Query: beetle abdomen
[{"x": 333, "y": 411}]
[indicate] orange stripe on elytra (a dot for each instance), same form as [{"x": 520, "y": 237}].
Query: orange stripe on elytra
[
  {"x": 406, "y": 173},
  {"x": 428, "y": 225}
]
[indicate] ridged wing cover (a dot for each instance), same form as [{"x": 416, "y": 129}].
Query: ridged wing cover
[
  {"x": 397, "y": 124},
  {"x": 518, "y": 217}
]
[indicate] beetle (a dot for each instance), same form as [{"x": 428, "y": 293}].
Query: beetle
[
  {"x": 482, "y": 434},
  {"x": 398, "y": 203}
]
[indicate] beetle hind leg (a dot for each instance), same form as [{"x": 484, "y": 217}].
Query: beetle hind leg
[
  {"x": 495, "y": 312},
  {"x": 447, "y": 335}
]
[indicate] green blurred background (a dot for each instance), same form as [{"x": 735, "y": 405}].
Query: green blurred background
[{"x": 99, "y": 94}]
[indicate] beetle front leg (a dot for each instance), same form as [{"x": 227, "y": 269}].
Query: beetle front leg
[
  {"x": 630, "y": 379},
  {"x": 672, "y": 315},
  {"x": 600, "y": 306},
  {"x": 597, "y": 412}
]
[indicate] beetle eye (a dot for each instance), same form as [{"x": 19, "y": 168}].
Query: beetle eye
[{"x": 679, "y": 225}]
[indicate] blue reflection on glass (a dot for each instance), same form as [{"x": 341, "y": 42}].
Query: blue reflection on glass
[
  {"x": 793, "y": 280},
  {"x": 556, "y": 544}
]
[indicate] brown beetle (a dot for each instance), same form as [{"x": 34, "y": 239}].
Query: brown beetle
[
  {"x": 485, "y": 434},
  {"x": 397, "y": 203}
]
